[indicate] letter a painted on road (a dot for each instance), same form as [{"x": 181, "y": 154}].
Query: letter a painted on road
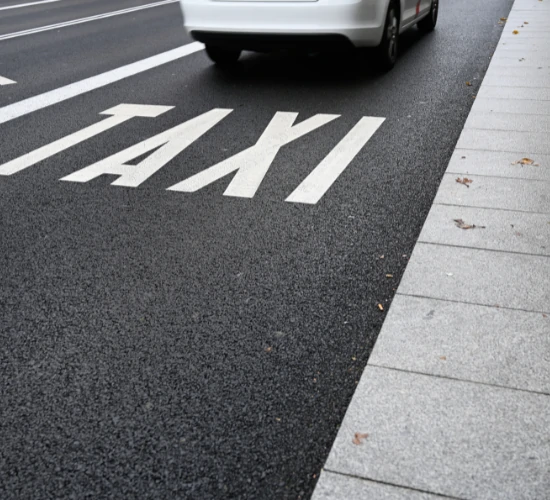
[{"x": 173, "y": 142}]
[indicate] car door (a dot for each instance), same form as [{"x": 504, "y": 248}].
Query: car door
[
  {"x": 410, "y": 9},
  {"x": 425, "y": 6}
]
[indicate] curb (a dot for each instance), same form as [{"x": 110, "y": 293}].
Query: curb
[{"x": 455, "y": 398}]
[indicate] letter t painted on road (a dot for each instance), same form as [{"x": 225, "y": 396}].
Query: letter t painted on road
[{"x": 119, "y": 114}]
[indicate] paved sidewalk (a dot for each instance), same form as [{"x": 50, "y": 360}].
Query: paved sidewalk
[{"x": 456, "y": 396}]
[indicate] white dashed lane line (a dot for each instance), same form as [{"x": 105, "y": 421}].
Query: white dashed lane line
[
  {"x": 97, "y": 17},
  {"x": 28, "y": 4}
]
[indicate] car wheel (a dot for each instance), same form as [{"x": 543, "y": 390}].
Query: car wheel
[
  {"x": 387, "y": 50},
  {"x": 428, "y": 23},
  {"x": 223, "y": 56}
]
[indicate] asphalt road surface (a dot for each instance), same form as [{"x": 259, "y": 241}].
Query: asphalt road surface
[{"x": 203, "y": 341}]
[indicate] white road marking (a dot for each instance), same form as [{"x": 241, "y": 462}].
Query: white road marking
[
  {"x": 317, "y": 183},
  {"x": 173, "y": 142},
  {"x": 252, "y": 163},
  {"x": 249, "y": 166},
  {"x": 41, "y": 101},
  {"x": 97, "y": 17},
  {"x": 19, "y": 6},
  {"x": 120, "y": 114},
  {"x": 6, "y": 81}
]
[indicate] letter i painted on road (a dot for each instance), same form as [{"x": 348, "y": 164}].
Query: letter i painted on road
[{"x": 318, "y": 182}]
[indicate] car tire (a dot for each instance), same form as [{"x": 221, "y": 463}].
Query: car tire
[
  {"x": 428, "y": 23},
  {"x": 223, "y": 56},
  {"x": 388, "y": 48}
]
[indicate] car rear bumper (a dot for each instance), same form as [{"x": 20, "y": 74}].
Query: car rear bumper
[
  {"x": 273, "y": 23},
  {"x": 263, "y": 42}
]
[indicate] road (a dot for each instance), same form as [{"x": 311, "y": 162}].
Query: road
[{"x": 202, "y": 339}]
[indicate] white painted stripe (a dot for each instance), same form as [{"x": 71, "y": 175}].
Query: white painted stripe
[
  {"x": 318, "y": 182},
  {"x": 97, "y": 17},
  {"x": 19, "y": 6},
  {"x": 6, "y": 81},
  {"x": 41, "y": 101}
]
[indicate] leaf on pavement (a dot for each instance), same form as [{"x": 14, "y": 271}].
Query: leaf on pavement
[
  {"x": 469, "y": 84},
  {"x": 515, "y": 32},
  {"x": 358, "y": 438},
  {"x": 503, "y": 18},
  {"x": 462, "y": 225},
  {"x": 464, "y": 181},
  {"x": 444, "y": 358},
  {"x": 381, "y": 307},
  {"x": 525, "y": 161}
]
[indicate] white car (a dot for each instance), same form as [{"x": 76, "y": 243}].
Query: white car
[{"x": 227, "y": 27}]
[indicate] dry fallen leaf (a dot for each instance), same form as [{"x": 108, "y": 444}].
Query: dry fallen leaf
[
  {"x": 469, "y": 84},
  {"x": 525, "y": 22},
  {"x": 389, "y": 275},
  {"x": 444, "y": 358},
  {"x": 503, "y": 18},
  {"x": 278, "y": 419},
  {"x": 515, "y": 32},
  {"x": 524, "y": 161},
  {"x": 268, "y": 349},
  {"x": 544, "y": 316},
  {"x": 358, "y": 438},
  {"x": 464, "y": 181},
  {"x": 381, "y": 307},
  {"x": 462, "y": 225}
]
